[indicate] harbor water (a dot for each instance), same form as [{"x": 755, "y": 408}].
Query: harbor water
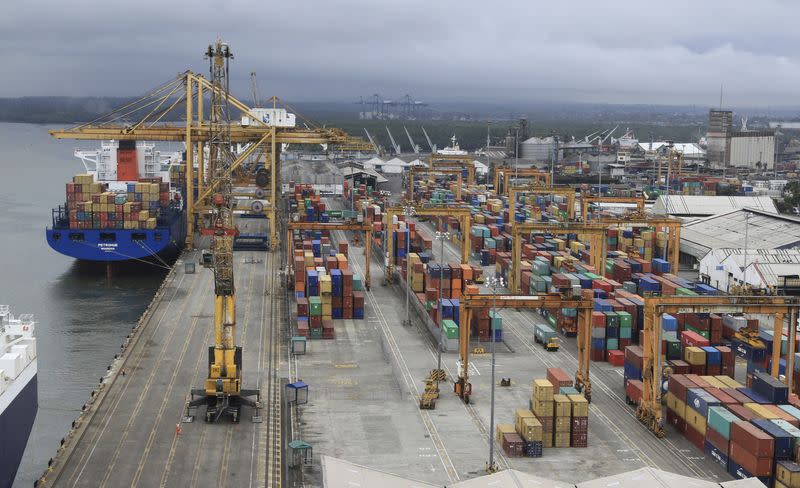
[{"x": 82, "y": 317}]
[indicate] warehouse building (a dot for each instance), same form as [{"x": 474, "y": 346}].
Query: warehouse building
[
  {"x": 759, "y": 268},
  {"x": 752, "y": 149},
  {"x": 764, "y": 230},
  {"x": 698, "y": 206}
]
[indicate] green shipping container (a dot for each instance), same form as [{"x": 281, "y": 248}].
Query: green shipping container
[
  {"x": 496, "y": 321},
  {"x": 449, "y": 329},
  {"x": 624, "y": 319},
  {"x": 612, "y": 319},
  {"x": 358, "y": 283},
  {"x": 315, "y": 333},
  {"x": 612, "y": 344},
  {"x": 684, "y": 292},
  {"x": 703, "y": 333},
  {"x": 625, "y": 333},
  {"x": 315, "y": 306},
  {"x": 720, "y": 419}
]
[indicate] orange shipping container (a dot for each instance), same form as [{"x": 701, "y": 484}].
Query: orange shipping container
[
  {"x": 466, "y": 272},
  {"x": 471, "y": 290},
  {"x": 300, "y": 286}
]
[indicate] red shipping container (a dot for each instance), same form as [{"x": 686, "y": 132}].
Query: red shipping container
[
  {"x": 635, "y": 356},
  {"x": 302, "y": 328},
  {"x": 713, "y": 370},
  {"x": 679, "y": 366},
  {"x": 690, "y": 338},
  {"x": 302, "y": 307},
  {"x": 679, "y": 385},
  {"x": 755, "y": 465},
  {"x": 598, "y": 319},
  {"x": 678, "y": 423},
  {"x": 695, "y": 437},
  {"x": 558, "y": 377},
  {"x": 724, "y": 398},
  {"x": 697, "y": 380},
  {"x": 616, "y": 358},
  {"x": 759, "y": 443},
  {"x": 736, "y": 395},
  {"x": 633, "y": 390},
  {"x": 717, "y": 440},
  {"x": 315, "y": 322},
  {"x": 698, "y": 369},
  {"x": 743, "y": 412}
]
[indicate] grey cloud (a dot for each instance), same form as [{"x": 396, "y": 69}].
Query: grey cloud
[{"x": 612, "y": 51}]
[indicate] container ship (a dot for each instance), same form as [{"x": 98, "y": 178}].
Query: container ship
[
  {"x": 19, "y": 399},
  {"x": 127, "y": 205}
]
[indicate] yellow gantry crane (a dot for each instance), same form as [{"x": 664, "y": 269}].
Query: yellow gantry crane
[
  {"x": 533, "y": 189},
  {"x": 595, "y": 234},
  {"x": 257, "y": 138},
  {"x": 433, "y": 173},
  {"x": 649, "y": 411},
  {"x": 463, "y": 214},
  {"x": 468, "y": 303},
  {"x": 539, "y": 177},
  {"x": 222, "y": 392},
  {"x": 587, "y": 200},
  {"x": 364, "y": 227}
]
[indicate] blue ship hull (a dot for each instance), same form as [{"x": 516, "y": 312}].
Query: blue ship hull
[
  {"x": 16, "y": 423},
  {"x": 106, "y": 245}
]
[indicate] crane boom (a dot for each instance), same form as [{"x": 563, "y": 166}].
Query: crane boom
[
  {"x": 372, "y": 141},
  {"x": 395, "y": 145},
  {"x": 414, "y": 147},
  {"x": 430, "y": 144},
  {"x": 254, "y": 88}
]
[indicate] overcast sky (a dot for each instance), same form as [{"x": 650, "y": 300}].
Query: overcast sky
[{"x": 670, "y": 52}]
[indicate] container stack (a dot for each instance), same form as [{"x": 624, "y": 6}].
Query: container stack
[
  {"x": 542, "y": 405},
  {"x": 579, "y": 435},
  {"x": 91, "y": 206},
  {"x": 326, "y": 289},
  {"x": 749, "y": 431},
  {"x": 530, "y": 430}
]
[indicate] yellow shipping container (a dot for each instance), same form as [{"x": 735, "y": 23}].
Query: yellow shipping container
[
  {"x": 530, "y": 429},
  {"x": 561, "y": 439},
  {"x": 562, "y": 424},
  {"x": 696, "y": 420},
  {"x": 542, "y": 390},
  {"x": 563, "y": 407},
  {"x": 680, "y": 408},
  {"x": 308, "y": 258},
  {"x": 729, "y": 382},
  {"x": 83, "y": 179},
  {"x": 761, "y": 411},
  {"x": 714, "y": 382},
  {"x": 778, "y": 484},
  {"x": 151, "y": 223},
  {"x": 542, "y": 408},
  {"x": 325, "y": 284},
  {"x": 786, "y": 477},
  {"x": 501, "y": 429},
  {"x": 580, "y": 407},
  {"x": 694, "y": 356},
  {"x": 144, "y": 215},
  {"x": 547, "y": 439}
]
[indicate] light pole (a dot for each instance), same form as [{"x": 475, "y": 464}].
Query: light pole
[
  {"x": 408, "y": 211},
  {"x": 516, "y": 157},
  {"x": 441, "y": 237},
  {"x": 746, "y": 236},
  {"x": 495, "y": 283}
]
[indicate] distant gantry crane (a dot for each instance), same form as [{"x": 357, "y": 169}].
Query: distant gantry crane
[
  {"x": 414, "y": 147},
  {"x": 427, "y": 138}
]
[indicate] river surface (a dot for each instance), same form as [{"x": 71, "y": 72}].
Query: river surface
[{"x": 82, "y": 317}]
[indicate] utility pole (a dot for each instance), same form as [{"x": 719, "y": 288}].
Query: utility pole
[
  {"x": 746, "y": 236},
  {"x": 494, "y": 282},
  {"x": 441, "y": 237},
  {"x": 408, "y": 211}
]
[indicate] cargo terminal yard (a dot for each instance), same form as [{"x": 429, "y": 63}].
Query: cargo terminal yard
[{"x": 448, "y": 321}]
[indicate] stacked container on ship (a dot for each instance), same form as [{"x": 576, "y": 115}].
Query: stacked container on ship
[
  {"x": 128, "y": 205},
  {"x": 19, "y": 400}
]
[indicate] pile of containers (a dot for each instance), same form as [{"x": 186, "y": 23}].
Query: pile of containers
[
  {"x": 91, "y": 206},
  {"x": 558, "y": 417},
  {"x": 749, "y": 431},
  {"x": 325, "y": 288}
]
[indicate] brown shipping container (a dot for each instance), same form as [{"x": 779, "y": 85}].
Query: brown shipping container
[
  {"x": 722, "y": 396},
  {"x": 736, "y": 395},
  {"x": 679, "y": 385},
  {"x": 694, "y": 436},
  {"x": 757, "y": 466},
  {"x": 558, "y": 377},
  {"x": 697, "y": 380},
  {"x": 782, "y": 414},
  {"x": 743, "y": 412},
  {"x": 760, "y": 443}
]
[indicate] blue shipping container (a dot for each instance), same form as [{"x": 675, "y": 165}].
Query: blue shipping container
[
  {"x": 699, "y": 400},
  {"x": 783, "y": 440}
]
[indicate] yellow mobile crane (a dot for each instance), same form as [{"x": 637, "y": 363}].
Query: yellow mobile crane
[{"x": 222, "y": 391}]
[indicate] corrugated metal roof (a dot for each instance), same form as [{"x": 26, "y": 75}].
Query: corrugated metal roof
[
  {"x": 701, "y": 206},
  {"x": 510, "y": 478},
  {"x": 337, "y": 473},
  {"x": 346, "y": 172},
  {"x": 687, "y": 148},
  {"x": 745, "y": 483},
  {"x": 647, "y": 478},
  {"x": 765, "y": 231}
]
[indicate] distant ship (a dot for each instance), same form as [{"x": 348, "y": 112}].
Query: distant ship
[
  {"x": 128, "y": 205},
  {"x": 19, "y": 399}
]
